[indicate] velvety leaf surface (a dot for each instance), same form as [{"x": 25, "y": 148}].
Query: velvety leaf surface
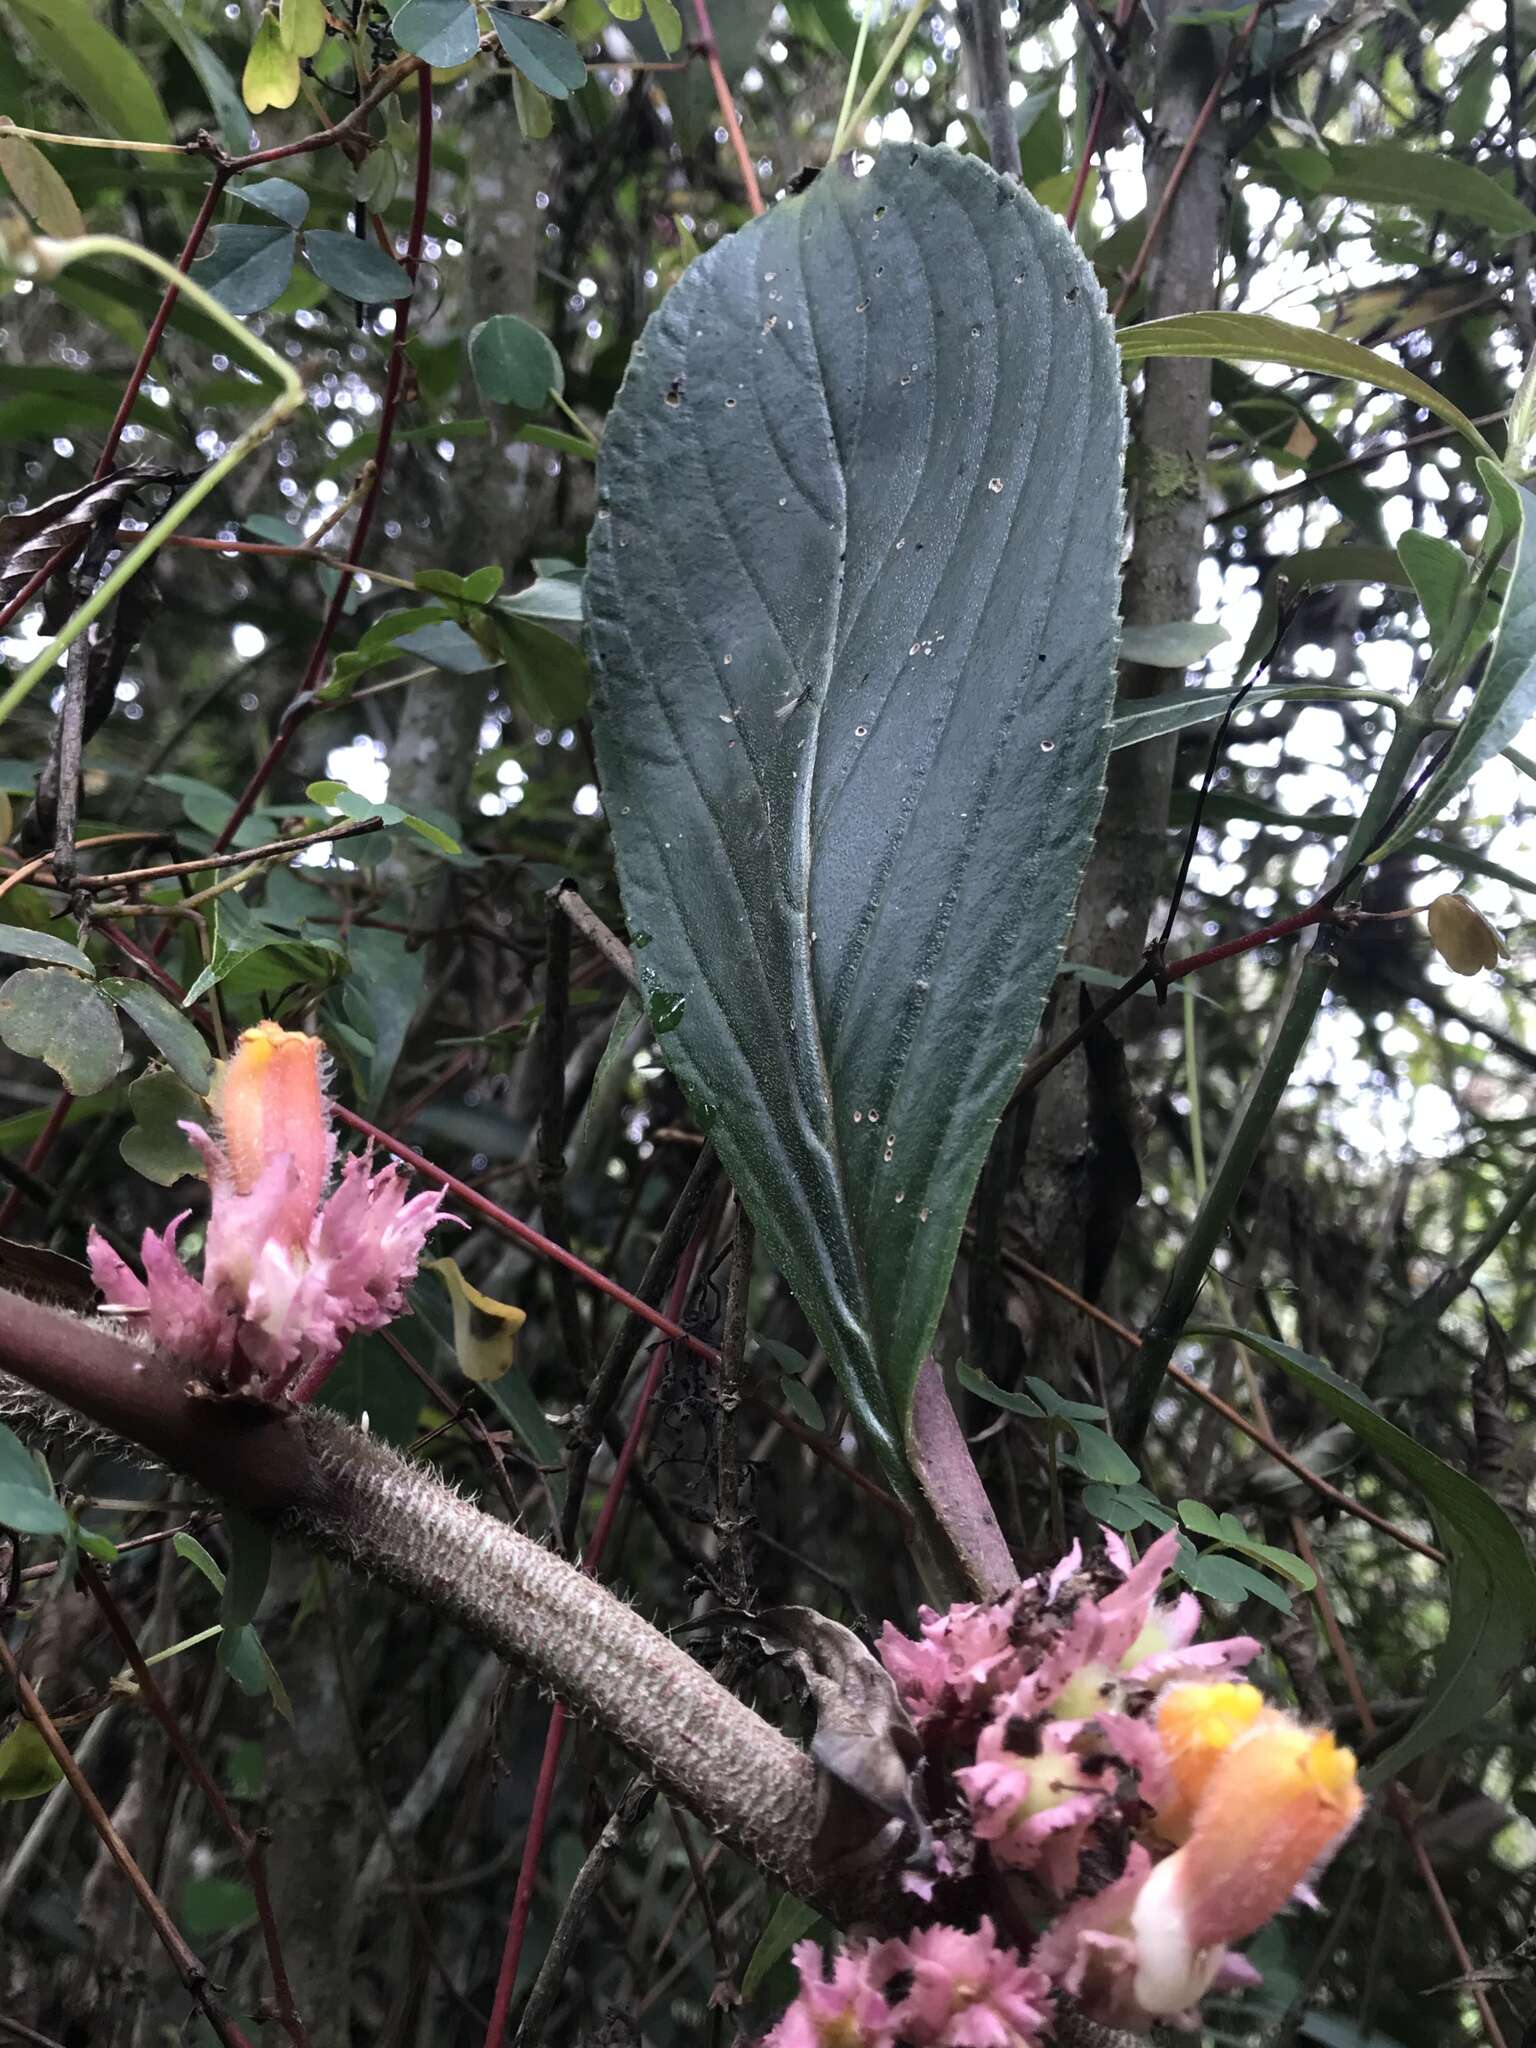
[{"x": 852, "y": 612}]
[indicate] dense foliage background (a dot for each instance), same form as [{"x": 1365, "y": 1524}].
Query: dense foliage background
[{"x": 1356, "y": 171}]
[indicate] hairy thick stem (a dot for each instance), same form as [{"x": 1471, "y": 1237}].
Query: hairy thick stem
[{"x": 337, "y": 1489}]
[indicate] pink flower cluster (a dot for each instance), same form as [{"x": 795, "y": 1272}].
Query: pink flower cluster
[
  {"x": 289, "y": 1272},
  {"x": 963, "y": 1991},
  {"x": 1108, "y": 1793}
]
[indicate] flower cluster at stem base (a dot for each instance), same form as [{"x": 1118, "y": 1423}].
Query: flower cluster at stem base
[{"x": 1114, "y": 1808}]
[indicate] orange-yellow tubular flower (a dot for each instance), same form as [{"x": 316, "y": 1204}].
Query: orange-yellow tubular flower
[
  {"x": 1197, "y": 1725},
  {"x": 269, "y": 1101},
  {"x": 1273, "y": 1805}
]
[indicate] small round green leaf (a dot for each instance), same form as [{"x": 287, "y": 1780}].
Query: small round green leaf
[
  {"x": 977, "y": 1382},
  {"x": 248, "y": 267},
  {"x": 1194, "y": 1514},
  {"x": 358, "y": 268},
  {"x": 440, "y": 32},
  {"x": 545, "y": 57},
  {"x": 49, "y": 1014},
  {"x": 157, "y": 1146},
  {"x": 27, "y": 1502},
  {"x": 1100, "y": 1457},
  {"x": 1217, "y": 1578},
  {"x": 514, "y": 364},
  {"x": 280, "y": 197},
  {"x": 30, "y": 945},
  {"x": 27, "y": 1768},
  {"x": 167, "y": 1029}
]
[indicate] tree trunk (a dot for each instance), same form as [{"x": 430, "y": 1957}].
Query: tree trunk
[{"x": 1130, "y": 865}]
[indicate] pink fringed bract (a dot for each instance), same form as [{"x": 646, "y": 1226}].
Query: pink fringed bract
[{"x": 289, "y": 1272}]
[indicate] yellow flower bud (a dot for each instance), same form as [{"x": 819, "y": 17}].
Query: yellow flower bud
[{"x": 1463, "y": 937}]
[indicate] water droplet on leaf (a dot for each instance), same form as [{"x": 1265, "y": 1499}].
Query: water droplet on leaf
[{"x": 665, "y": 1010}]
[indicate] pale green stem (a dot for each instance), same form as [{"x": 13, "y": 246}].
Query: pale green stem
[
  {"x": 94, "y": 141},
  {"x": 46, "y": 258},
  {"x": 844, "y": 120},
  {"x": 887, "y": 65},
  {"x": 576, "y": 421},
  {"x": 183, "y": 904},
  {"x": 187, "y": 1643}
]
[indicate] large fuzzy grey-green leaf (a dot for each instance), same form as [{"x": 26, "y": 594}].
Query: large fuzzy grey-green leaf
[{"x": 851, "y": 608}]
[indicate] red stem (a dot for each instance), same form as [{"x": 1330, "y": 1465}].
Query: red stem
[
  {"x": 544, "y": 1791},
  {"x": 42, "y": 1144},
  {"x": 1236, "y": 48},
  {"x": 1100, "y": 108},
  {"x": 385, "y": 83},
  {"x": 157, "y": 326},
  {"x": 709, "y": 51},
  {"x": 304, "y": 700},
  {"x": 1250, "y": 941},
  {"x": 524, "y": 1232}
]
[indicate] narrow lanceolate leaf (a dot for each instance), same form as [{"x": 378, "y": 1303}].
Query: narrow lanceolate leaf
[
  {"x": 1256, "y": 338},
  {"x": 1506, "y": 696},
  {"x": 851, "y": 609},
  {"x": 1422, "y": 181},
  {"x": 95, "y": 66},
  {"x": 1492, "y": 1627}
]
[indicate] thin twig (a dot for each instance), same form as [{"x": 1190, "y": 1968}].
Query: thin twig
[
  {"x": 305, "y": 699},
  {"x": 724, "y": 1960},
  {"x": 251, "y": 1849},
  {"x": 191, "y": 1972},
  {"x": 1124, "y": 15},
  {"x": 729, "y": 1525},
  {"x": 607, "y": 1383},
  {"x": 67, "y": 763},
  {"x": 1264, "y": 1438},
  {"x": 591, "y": 927},
  {"x": 550, "y": 1142},
  {"x": 388, "y": 81},
  {"x": 274, "y": 849},
  {"x": 981, "y": 24},
  {"x": 544, "y": 1791},
  {"x": 634, "y": 1804},
  {"x": 1235, "y": 49}
]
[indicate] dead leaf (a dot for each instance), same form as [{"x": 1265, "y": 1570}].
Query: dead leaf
[
  {"x": 865, "y": 1741},
  {"x": 28, "y": 539}
]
